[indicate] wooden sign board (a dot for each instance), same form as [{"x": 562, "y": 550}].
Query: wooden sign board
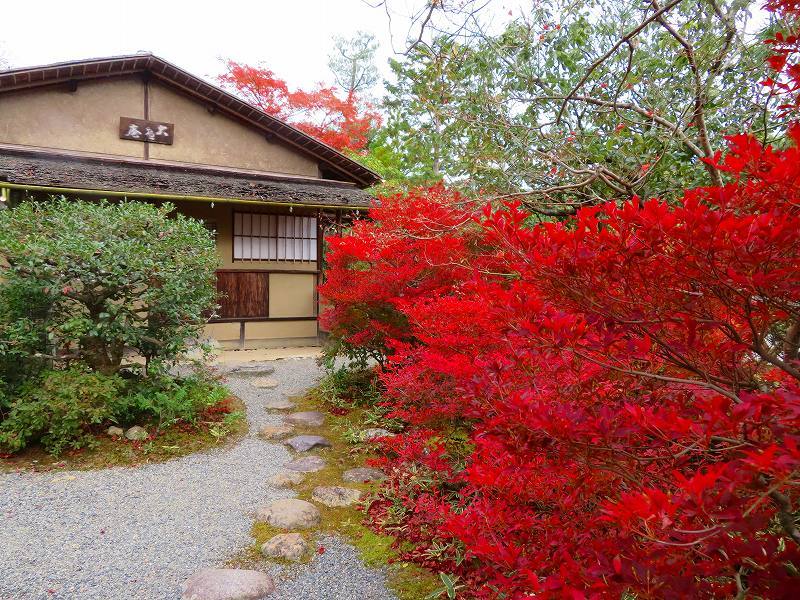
[{"x": 141, "y": 130}]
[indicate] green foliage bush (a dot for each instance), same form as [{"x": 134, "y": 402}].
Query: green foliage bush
[
  {"x": 59, "y": 410},
  {"x": 103, "y": 278},
  {"x": 64, "y": 409},
  {"x": 23, "y": 337},
  {"x": 84, "y": 282},
  {"x": 167, "y": 400}
]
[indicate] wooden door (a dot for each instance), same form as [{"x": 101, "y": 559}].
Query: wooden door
[{"x": 243, "y": 294}]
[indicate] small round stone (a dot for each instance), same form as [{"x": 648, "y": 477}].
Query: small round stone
[
  {"x": 306, "y": 464},
  {"x": 266, "y": 383},
  {"x": 289, "y": 513},
  {"x": 304, "y": 443},
  {"x": 136, "y": 433},
  {"x": 286, "y": 478},
  {"x": 311, "y": 418},
  {"x": 227, "y": 584},
  {"x": 290, "y": 546},
  {"x": 374, "y": 433},
  {"x": 114, "y": 431},
  {"x": 275, "y": 432},
  {"x": 279, "y": 404},
  {"x": 335, "y": 495},
  {"x": 363, "y": 475}
]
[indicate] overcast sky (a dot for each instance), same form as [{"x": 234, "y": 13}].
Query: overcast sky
[{"x": 293, "y": 37}]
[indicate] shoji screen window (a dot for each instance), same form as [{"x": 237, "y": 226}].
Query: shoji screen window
[{"x": 274, "y": 237}]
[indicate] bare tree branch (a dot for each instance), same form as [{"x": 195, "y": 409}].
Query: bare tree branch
[{"x": 625, "y": 38}]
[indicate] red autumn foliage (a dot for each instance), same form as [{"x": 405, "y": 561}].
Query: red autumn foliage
[
  {"x": 218, "y": 411},
  {"x": 785, "y": 59},
  {"x": 602, "y": 405},
  {"x": 343, "y": 124}
]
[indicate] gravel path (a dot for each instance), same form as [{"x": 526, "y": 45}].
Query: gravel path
[{"x": 138, "y": 533}]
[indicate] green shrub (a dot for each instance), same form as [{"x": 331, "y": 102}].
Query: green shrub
[
  {"x": 165, "y": 400},
  {"x": 63, "y": 409},
  {"x": 345, "y": 386},
  {"x": 59, "y": 410},
  {"x": 23, "y": 336},
  {"x": 105, "y": 277}
]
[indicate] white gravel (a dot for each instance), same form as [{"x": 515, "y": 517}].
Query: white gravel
[{"x": 138, "y": 533}]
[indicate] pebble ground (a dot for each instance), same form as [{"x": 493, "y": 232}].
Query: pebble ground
[{"x": 138, "y": 533}]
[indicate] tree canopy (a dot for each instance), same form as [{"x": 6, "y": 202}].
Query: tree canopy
[
  {"x": 567, "y": 104},
  {"x": 84, "y": 281}
]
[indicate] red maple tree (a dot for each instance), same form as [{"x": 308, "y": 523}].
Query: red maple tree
[{"x": 342, "y": 123}]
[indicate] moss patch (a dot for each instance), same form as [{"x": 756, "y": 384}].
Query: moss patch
[
  {"x": 408, "y": 581},
  {"x": 165, "y": 444}
]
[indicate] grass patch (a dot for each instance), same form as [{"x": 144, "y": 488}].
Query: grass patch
[
  {"x": 408, "y": 581},
  {"x": 180, "y": 439}
]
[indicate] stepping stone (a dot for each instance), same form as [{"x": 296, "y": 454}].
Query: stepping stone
[
  {"x": 311, "y": 418},
  {"x": 374, "y": 433},
  {"x": 286, "y": 478},
  {"x": 290, "y": 513},
  {"x": 114, "y": 431},
  {"x": 279, "y": 403},
  {"x": 363, "y": 475},
  {"x": 291, "y": 546},
  {"x": 275, "y": 432},
  {"x": 136, "y": 433},
  {"x": 253, "y": 369},
  {"x": 304, "y": 443},
  {"x": 306, "y": 464},
  {"x": 335, "y": 495},
  {"x": 266, "y": 383},
  {"x": 227, "y": 584}
]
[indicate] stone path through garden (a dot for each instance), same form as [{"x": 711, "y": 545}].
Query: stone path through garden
[{"x": 141, "y": 532}]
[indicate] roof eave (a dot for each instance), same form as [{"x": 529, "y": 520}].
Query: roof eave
[{"x": 166, "y": 72}]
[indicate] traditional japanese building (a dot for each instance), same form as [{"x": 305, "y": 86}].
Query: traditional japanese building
[{"x": 138, "y": 127}]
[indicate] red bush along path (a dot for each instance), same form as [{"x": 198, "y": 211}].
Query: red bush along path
[{"x": 602, "y": 405}]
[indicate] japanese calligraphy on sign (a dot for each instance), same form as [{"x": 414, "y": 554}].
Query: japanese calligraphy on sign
[{"x": 141, "y": 130}]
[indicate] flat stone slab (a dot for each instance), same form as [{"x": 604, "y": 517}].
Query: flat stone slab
[
  {"x": 266, "y": 383},
  {"x": 374, "y": 433},
  {"x": 227, "y": 584},
  {"x": 290, "y": 546},
  {"x": 279, "y": 404},
  {"x": 254, "y": 369},
  {"x": 306, "y": 464},
  {"x": 363, "y": 475},
  {"x": 289, "y": 513},
  {"x": 334, "y": 495},
  {"x": 275, "y": 432},
  {"x": 304, "y": 443},
  {"x": 312, "y": 418},
  {"x": 286, "y": 478}
]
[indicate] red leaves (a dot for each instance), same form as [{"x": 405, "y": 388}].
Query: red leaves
[
  {"x": 604, "y": 406},
  {"x": 786, "y": 58},
  {"x": 593, "y": 406},
  {"x": 321, "y": 113}
]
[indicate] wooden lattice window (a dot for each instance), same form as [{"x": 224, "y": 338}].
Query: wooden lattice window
[{"x": 274, "y": 237}]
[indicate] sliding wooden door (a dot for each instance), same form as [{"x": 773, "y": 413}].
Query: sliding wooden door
[{"x": 243, "y": 294}]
